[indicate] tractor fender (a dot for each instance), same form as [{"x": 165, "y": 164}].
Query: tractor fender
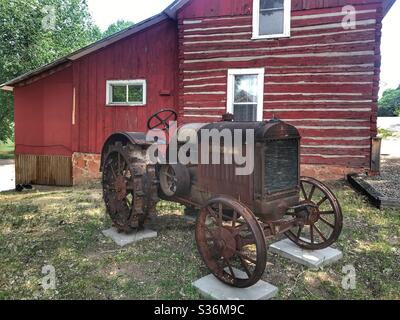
[{"x": 138, "y": 138}]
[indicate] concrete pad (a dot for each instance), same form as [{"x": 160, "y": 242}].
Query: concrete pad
[
  {"x": 123, "y": 239},
  {"x": 212, "y": 288},
  {"x": 312, "y": 259}
]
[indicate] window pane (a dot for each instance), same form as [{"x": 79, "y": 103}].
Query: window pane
[
  {"x": 135, "y": 93},
  {"x": 245, "y": 112},
  {"x": 271, "y": 4},
  {"x": 271, "y": 22},
  {"x": 246, "y": 88},
  {"x": 118, "y": 94}
]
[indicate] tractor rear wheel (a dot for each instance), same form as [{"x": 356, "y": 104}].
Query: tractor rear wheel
[
  {"x": 129, "y": 186},
  {"x": 231, "y": 245}
]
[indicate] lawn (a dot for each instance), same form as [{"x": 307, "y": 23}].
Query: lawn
[
  {"x": 7, "y": 150},
  {"x": 62, "y": 227}
]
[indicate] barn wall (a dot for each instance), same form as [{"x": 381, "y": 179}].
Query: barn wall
[
  {"x": 323, "y": 79},
  {"x": 42, "y": 112},
  {"x": 150, "y": 55}
]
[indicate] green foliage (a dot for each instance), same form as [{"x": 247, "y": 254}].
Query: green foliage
[
  {"x": 29, "y": 39},
  {"x": 7, "y": 150},
  {"x": 116, "y": 27},
  {"x": 135, "y": 93},
  {"x": 384, "y": 133},
  {"x": 389, "y": 104},
  {"x": 6, "y": 115},
  {"x": 119, "y": 94}
]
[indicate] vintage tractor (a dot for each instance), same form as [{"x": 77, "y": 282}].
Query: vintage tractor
[{"x": 236, "y": 213}]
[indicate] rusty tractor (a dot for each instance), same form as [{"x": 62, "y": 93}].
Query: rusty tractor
[{"x": 236, "y": 213}]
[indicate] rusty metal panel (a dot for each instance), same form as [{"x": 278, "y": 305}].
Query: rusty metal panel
[
  {"x": 221, "y": 179},
  {"x": 43, "y": 170}
]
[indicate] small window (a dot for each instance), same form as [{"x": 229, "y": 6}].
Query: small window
[
  {"x": 246, "y": 94},
  {"x": 126, "y": 93},
  {"x": 271, "y": 18}
]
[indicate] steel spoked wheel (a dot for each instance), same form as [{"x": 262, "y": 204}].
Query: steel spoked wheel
[
  {"x": 128, "y": 187},
  {"x": 324, "y": 222},
  {"x": 118, "y": 188},
  {"x": 231, "y": 242}
]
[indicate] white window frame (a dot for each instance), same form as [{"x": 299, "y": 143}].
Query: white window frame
[
  {"x": 128, "y": 83},
  {"x": 260, "y": 72},
  {"x": 286, "y": 21}
]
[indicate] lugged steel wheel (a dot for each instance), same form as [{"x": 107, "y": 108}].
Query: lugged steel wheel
[
  {"x": 231, "y": 242},
  {"x": 325, "y": 220},
  {"x": 129, "y": 186}
]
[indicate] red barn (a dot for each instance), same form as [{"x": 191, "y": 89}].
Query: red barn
[{"x": 314, "y": 64}]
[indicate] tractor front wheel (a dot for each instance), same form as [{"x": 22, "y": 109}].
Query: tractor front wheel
[
  {"x": 231, "y": 242},
  {"x": 324, "y": 222}
]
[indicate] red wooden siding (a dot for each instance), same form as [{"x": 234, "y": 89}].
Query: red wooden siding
[
  {"x": 150, "y": 55},
  {"x": 43, "y": 115},
  {"x": 323, "y": 79}
]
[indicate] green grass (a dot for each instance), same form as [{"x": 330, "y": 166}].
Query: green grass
[
  {"x": 7, "y": 150},
  {"x": 62, "y": 227}
]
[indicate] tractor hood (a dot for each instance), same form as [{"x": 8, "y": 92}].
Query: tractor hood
[{"x": 266, "y": 130}]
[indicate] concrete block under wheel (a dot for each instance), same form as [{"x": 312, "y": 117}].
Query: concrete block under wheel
[
  {"x": 313, "y": 259},
  {"x": 123, "y": 239},
  {"x": 211, "y": 288}
]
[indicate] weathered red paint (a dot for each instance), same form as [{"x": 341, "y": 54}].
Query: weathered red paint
[
  {"x": 43, "y": 109},
  {"x": 304, "y": 84},
  {"x": 150, "y": 55},
  {"x": 43, "y": 116}
]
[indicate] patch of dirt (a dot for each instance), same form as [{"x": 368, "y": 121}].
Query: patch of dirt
[{"x": 126, "y": 269}]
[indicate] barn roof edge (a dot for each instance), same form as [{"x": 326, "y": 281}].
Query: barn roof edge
[{"x": 168, "y": 13}]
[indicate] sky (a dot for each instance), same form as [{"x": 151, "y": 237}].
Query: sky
[
  {"x": 390, "y": 49},
  {"x": 105, "y": 12}
]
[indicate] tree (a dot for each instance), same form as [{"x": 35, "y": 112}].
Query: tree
[
  {"x": 389, "y": 104},
  {"x": 34, "y": 33},
  {"x": 116, "y": 27}
]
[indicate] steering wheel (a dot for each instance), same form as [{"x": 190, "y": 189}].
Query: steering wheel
[{"x": 161, "y": 118}]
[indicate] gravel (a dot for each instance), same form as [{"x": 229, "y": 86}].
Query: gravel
[{"x": 388, "y": 183}]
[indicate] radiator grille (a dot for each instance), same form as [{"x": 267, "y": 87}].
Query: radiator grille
[{"x": 281, "y": 165}]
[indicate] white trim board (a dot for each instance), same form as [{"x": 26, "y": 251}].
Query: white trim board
[
  {"x": 287, "y": 6},
  {"x": 126, "y": 83}
]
